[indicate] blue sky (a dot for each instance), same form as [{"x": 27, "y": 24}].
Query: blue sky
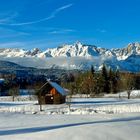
[{"x": 49, "y": 23}]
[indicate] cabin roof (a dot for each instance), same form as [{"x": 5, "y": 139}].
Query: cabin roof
[
  {"x": 1, "y": 80},
  {"x": 57, "y": 87}
]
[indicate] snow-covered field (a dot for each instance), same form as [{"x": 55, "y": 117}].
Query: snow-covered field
[
  {"x": 69, "y": 127},
  {"x": 86, "y": 119},
  {"x": 76, "y": 106},
  {"x": 134, "y": 94}
]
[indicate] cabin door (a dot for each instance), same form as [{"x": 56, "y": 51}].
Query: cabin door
[{"x": 49, "y": 99}]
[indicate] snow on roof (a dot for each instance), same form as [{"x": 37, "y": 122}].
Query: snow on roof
[
  {"x": 1, "y": 80},
  {"x": 58, "y": 88}
]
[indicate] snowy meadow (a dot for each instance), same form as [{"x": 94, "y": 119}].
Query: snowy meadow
[{"x": 81, "y": 118}]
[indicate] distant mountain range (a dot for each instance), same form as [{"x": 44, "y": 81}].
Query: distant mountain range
[{"x": 76, "y": 56}]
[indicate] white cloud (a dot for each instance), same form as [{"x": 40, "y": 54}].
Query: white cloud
[
  {"x": 62, "y": 8},
  {"x": 101, "y": 30},
  {"x": 12, "y": 45},
  {"x": 61, "y": 31},
  {"x": 5, "y": 18},
  {"x": 52, "y": 15},
  {"x": 10, "y": 33}
]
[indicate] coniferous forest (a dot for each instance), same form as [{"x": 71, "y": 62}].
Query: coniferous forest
[{"x": 97, "y": 83}]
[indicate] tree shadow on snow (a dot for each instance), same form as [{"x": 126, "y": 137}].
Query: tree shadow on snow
[
  {"x": 119, "y": 102},
  {"x": 47, "y": 128},
  {"x": 11, "y": 104},
  {"x": 93, "y": 102}
]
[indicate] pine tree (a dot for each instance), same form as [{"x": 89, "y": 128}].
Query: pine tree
[
  {"x": 104, "y": 74},
  {"x": 111, "y": 79},
  {"x": 92, "y": 70},
  {"x": 116, "y": 81},
  {"x": 117, "y": 74},
  {"x": 98, "y": 84}
]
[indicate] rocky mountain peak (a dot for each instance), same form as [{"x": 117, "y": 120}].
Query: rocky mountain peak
[{"x": 82, "y": 56}]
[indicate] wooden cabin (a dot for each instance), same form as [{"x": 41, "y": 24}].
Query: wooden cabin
[{"x": 51, "y": 93}]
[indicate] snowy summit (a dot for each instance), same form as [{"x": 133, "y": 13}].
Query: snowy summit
[{"x": 77, "y": 56}]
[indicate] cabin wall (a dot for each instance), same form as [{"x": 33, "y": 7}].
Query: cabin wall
[
  {"x": 49, "y": 95},
  {"x": 57, "y": 99},
  {"x": 53, "y": 91},
  {"x": 49, "y": 99}
]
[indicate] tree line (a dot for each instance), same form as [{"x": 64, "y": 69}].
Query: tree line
[
  {"x": 93, "y": 83},
  {"x": 90, "y": 83}
]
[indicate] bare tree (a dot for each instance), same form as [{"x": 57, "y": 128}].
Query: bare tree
[
  {"x": 68, "y": 101},
  {"x": 128, "y": 83},
  {"x": 14, "y": 91},
  {"x": 87, "y": 85},
  {"x": 30, "y": 91},
  {"x": 36, "y": 87}
]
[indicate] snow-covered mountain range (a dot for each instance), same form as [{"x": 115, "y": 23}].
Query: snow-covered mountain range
[{"x": 76, "y": 56}]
